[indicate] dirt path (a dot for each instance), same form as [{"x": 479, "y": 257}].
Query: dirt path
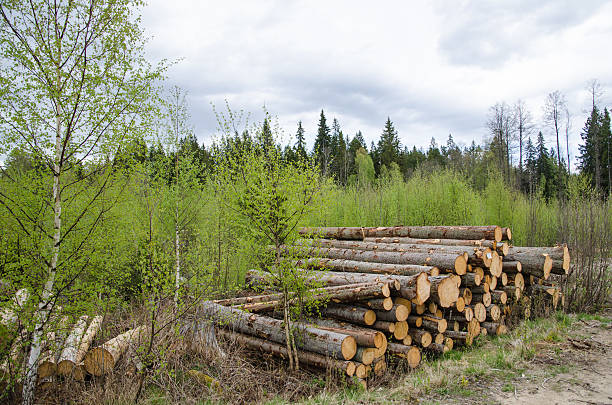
[{"x": 577, "y": 370}]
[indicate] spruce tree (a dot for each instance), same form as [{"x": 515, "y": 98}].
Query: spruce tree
[
  {"x": 590, "y": 151},
  {"x": 322, "y": 146},
  {"x": 388, "y": 145},
  {"x": 605, "y": 136},
  {"x": 300, "y": 145}
]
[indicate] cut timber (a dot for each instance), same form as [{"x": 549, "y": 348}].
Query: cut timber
[
  {"x": 512, "y": 267},
  {"x": 368, "y": 267},
  {"x": 481, "y": 289},
  {"x": 435, "y": 324},
  {"x": 380, "y": 366},
  {"x": 466, "y": 293},
  {"x": 102, "y": 359},
  {"x": 462, "y": 338},
  {"x": 381, "y": 303},
  {"x": 444, "y": 290},
  {"x": 480, "y": 311},
  {"x": 47, "y": 365},
  {"x": 420, "y": 337},
  {"x": 499, "y": 297},
  {"x": 420, "y": 232},
  {"x": 506, "y": 234},
  {"x": 494, "y": 328},
  {"x": 352, "y": 292},
  {"x": 559, "y": 254},
  {"x": 397, "y": 313},
  {"x": 493, "y": 313},
  {"x": 305, "y": 357},
  {"x": 439, "y": 338},
  {"x": 440, "y": 260},
  {"x": 460, "y": 304},
  {"x": 407, "y": 340},
  {"x": 483, "y": 298},
  {"x": 349, "y": 313},
  {"x": 465, "y": 316},
  {"x": 449, "y": 342},
  {"x": 512, "y": 292},
  {"x": 471, "y": 280},
  {"x": 401, "y": 330},
  {"x": 324, "y": 342},
  {"x": 410, "y": 353},
  {"x": 437, "y": 348},
  {"x": 536, "y": 264},
  {"x": 365, "y": 355},
  {"x": 479, "y": 271},
  {"x": 444, "y": 242},
  {"x": 361, "y": 371},
  {"x": 504, "y": 279},
  {"x": 418, "y": 309},
  {"x": 415, "y": 321},
  {"x": 384, "y": 326},
  {"x": 68, "y": 358},
  {"x": 363, "y": 336}
]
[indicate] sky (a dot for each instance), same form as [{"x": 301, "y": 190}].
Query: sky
[{"x": 433, "y": 67}]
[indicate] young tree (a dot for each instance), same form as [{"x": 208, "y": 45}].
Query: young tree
[
  {"x": 388, "y": 145},
  {"x": 73, "y": 82},
  {"x": 501, "y": 124},
  {"x": 553, "y": 111},
  {"x": 524, "y": 126}
]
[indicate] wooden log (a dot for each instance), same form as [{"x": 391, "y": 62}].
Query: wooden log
[
  {"x": 384, "y": 326},
  {"x": 420, "y": 232},
  {"x": 353, "y": 292},
  {"x": 493, "y": 313},
  {"x": 481, "y": 289},
  {"x": 512, "y": 267},
  {"x": 384, "y": 304},
  {"x": 439, "y": 338},
  {"x": 503, "y": 279},
  {"x": 380, "y": 365},
  {"x": 466, "y": 293},
  {"x": 514, "y": 293},
  {"x": 495, "y": 328},
  {"x": 492, "y": 283},
  {"x": 465, "y": 316},
  {"x": 480, "y": 243},
  {"x": 506, "y": 234},
  {"x": 437, "y": 348},
  {"x": 418, "y": 309},
  {"x": 407, "y": 340},
  {"x": 324, "y": 342},
  {"x": 415, "y": 321},
  {"x": 432, "y": 307},
  {"x": 367, "y": 267},
  {"x": 305, "y": 357},
  {"x": 559, "y": 254},
  {"x": 471, "y": 280},
  {"x": 480, "y": 272},
  {"x": 539, "y": 265},
  {"x": 483, "y": 298},
  {"x": 411, "y": 353},
  {"x": 440, "y": 260},
  {"x": 102, "y": 359},
  {"x": 47, "y": 365},
  {"x": 461, "y": 338},
  {"x": 365, "y": 355},
  {"x": 68, "y": 357},
  {"x": 420, "y": 337},
  {"x": 363, "y": 336},
  {"x": 480, "y": 311},
  {"x": 397, "y": 313},
  {"x": 444, "y": 290},
  {"x": 361, "y": 316},
  {"x": 499, "y": 297},
  {"x": 433, "y": 323},
  {"x": 401, "y": 330},
  {"x": 517, "y": 280},
  {"x": 460, "y": 304}
]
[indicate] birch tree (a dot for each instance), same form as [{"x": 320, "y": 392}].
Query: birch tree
[{"x": 74, "y": 87}]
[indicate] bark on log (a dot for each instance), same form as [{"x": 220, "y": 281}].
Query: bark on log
[
  {"x": 327, "y": 343},
  {"x": 363, "y": 336},
  {"x": 437, "y": 348},
  {"x": 471, "y": 280},
  {"x": 410, "y": 353},
  {"x": 102, "y": 359},
  {"x": 440, "y": 260},
  {"x": 536, "y": 264},
  {"x": 514, "y": 293},
  {"x": 495, "y": 328},
  {"x": 349, "y": 313},
  {"x": 436, "y": 324},
  {"x": 384, "y": 326},
  {"x": 493, "y": 313},
  {"x": 420, "y": 232},
  {"x": 480, "y": 243},
  {"x": 415, "y": 321},
  {"x": 305, "y": 357},
  {"x": 68, "y": 358},
  {"x": 517, "y": 280},
  {"x": 365, "y": 355},
  {"x": 481, "y": 289},
  {"x": 418, "y": 309},
  {"x": 401, "y": 330},
  {"x": 384, "y": 304},
  {"x": 466, "y": 293},
  {"x": 512, "y": 267},
  {"x": 559, "y": 254},
  {"x": 480, "y": 311},
  {"x": 368, "y": 267},
  {"x": 420, "y": 337},
  {"x": 398, "y": 313},
  {"x": 482, "y": 298},
  {"x": 462, "y": 338},
  {"x": 499, "y": 297},
  {"x": 439, "y": 338}
]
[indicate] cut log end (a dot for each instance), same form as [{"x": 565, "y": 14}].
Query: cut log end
[
  {"x": 99, "y": 361},
  {"x": 461, "y": 265},
  {"x": 448, "y": 292},
  {"x": 423, "y": 288},
  {"x": 499, "y": 234},
  {"x": 348, "y": 347},
  {"x": 401, "y": 330}
]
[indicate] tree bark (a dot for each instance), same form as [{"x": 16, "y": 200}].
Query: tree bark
[
  {"x": 349, "y": 313},
  {"x": 368, "y": 267},
  {"x": 102, "y": 359},
  {"x": 539, "y": 265},
  {"x": 398, "y": 313},
  {"x": 411, "y": 353},
  {"x": 420, "y": 232},
  {"x": 68, "y": 358},
  {"x": 559, "y": 254},
  {"x": 420, "y": 337},
  {"x": 444, "y": 290}
]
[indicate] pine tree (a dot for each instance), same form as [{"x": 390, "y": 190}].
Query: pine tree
[
  {"x": 322, "y": 146},
  {"x": 300, "y": 145}
]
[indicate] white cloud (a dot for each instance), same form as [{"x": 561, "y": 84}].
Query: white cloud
[{"x": 434, "y": 68}]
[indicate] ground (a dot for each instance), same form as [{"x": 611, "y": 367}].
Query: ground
[{"x": 562, "y": 359}]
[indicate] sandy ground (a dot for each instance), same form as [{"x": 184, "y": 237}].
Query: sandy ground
[{"x": 585, "y": 361}]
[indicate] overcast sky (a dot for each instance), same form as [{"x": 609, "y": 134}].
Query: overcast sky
[{"x": 433, "y": 67}]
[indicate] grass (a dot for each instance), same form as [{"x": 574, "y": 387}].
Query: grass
[{"x": 456, "y": 373}]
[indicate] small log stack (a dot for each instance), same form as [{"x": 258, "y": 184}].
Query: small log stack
[{"x": 422, "y": 289}]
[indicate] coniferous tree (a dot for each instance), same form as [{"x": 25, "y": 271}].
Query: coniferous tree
[
  {"x": 300, "y": 145},
  {"x": 266, "y": 140},
  {"x": 388, "y": 149},
  {"x": 322, "y": 146},
  {"x": 590, "y": 151}
]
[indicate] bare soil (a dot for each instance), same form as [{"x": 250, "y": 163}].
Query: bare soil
[{"x": 575, "y": 371}]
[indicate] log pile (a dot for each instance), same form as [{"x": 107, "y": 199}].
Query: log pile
[{"x": 396, "y": 293}]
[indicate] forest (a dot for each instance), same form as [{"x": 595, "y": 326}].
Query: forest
[{"x": 111, "y": 205}]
